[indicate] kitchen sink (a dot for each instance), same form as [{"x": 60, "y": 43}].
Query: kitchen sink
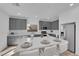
[
  {"x": 57, "y": 40},
  {"x": 45, "y": 42},
  {"x": 26, "y": 45}
]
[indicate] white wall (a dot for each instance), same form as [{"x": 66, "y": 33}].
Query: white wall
[
  {"x": 3, "y": 30},
  {"x": 68, "y": 17}
]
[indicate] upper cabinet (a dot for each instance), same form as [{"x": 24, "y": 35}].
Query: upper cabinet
[
  {"x": 17, "y": 24},
  {"x": 46, "y": 25},
  {"x": 55, "y": 25}
]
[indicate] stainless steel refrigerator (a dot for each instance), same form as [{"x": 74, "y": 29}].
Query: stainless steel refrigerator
[{"x": 70, "y": 35}]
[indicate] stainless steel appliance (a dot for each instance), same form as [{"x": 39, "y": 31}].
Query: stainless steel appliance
[{"x": 70, "y": 35}]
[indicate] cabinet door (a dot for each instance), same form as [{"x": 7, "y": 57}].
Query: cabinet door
[
  {"x": 17, "y": 24},
  {"x": 14, "y": 40},
  {"x": 45, "y": 24},
  {"x": 55, "y": 25},
  {"x": 12, "y": 24},
  {"x": 10, "y": 40}
]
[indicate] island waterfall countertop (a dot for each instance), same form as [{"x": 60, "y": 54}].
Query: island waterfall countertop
[{"x": 36, "y": 43}]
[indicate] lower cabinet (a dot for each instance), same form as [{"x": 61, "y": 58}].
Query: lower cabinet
[{"x": 13, "y": 40}]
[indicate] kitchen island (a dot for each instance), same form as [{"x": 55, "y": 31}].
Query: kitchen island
[{"x": 36, "y": 44}]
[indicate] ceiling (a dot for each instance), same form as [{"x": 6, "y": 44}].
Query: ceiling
[{"x": 40, "y": 10}]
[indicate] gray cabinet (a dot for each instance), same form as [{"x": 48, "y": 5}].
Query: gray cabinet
[
  {"x": 55, "y": 25},
  {"x": 50, "y": 25},
  {"x": 17, "y": 24},
  {"x": 13, "y": 40},
  {"x": 44, "y": 24}
]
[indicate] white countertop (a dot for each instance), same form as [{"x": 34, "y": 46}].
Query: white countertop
[
  {"x": 21, "y": 33},
  {"x": 36, "y": 43},
  {"x": 26, "y": 33}
]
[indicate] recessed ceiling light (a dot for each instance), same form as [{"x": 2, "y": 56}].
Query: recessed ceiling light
[
  {"x": 71, "y": 4},
  {"x": 36, "y": 16},
  {"x": 18, "y": 13},
  {"x": 48, "y": 17}
]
